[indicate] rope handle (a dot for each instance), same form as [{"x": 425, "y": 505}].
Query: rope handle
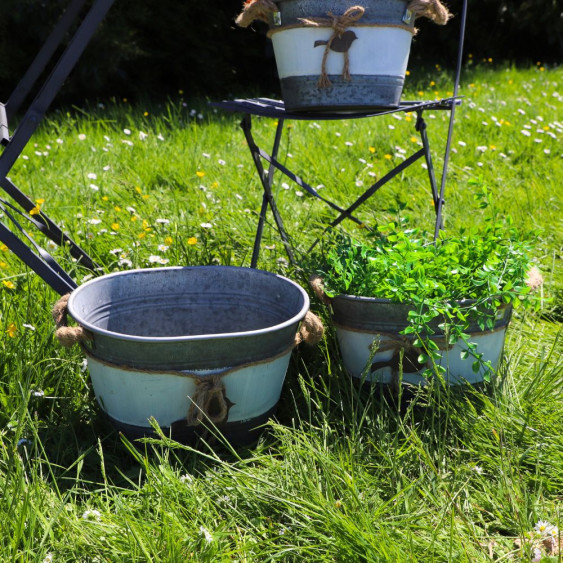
[{"x": 67, "y": 336}]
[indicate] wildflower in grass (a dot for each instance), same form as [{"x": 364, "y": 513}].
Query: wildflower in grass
[
  {"x": 162, "y": 247},
  {"x": 12, "y": 330},
  {"x": 90, "y": 515},
  {"x": 160, "y": 137},
  {"x": 115, "y": 226},
  {"x": 94, "y": 187},
  {"x": 36, "y": 210},
  {"x": 81, "y": 137},
  {"x": 192, "y": 241},
  {"x": 168, "y": 241},
  {"x": 48, "y": 558},
  {"x": 414, "y": 139},
  {"x": 387, "y": 157},
  {"x": 142, "y": 136},
  {"x": 221, "y": 162},
  {"x": 9, "y": 284},
  {"x": 127, "y": 131},
  {"x": 206, "y": 534},
  {"x": 206, "y": 225},
  {"x": 200, "y": 174},
  {"x": 92, "y": 176},
  {"x": 525, "y": 132},
  {"x": 542, "y": 527},
  {"x": 28, "y": 326},
  {"x": 299, "y": 194},
  {"x": 186, "y": 478},
  {"x": 338, "y": 503},
  {"x": 125, "y": 262},
  {"x": 162, "y": 221},
  {"x": 3, "y": 264}
]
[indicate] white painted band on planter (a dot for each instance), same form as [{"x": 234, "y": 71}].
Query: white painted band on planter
[
  {"x": 132, "y": 396},
  {"x": 356, "y": 349},
  {"x": 379, "y": 50}
]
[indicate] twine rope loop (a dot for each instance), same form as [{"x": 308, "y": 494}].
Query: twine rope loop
[
  {"x": 67, "y": 336},
  {"x": 432, "y": 9},
  {"x": 256, "y": 10}
]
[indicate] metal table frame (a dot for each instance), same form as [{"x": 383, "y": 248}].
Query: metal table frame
[
  {"x": 17, "y": 239},
  {"x": 265, "y": 107}
]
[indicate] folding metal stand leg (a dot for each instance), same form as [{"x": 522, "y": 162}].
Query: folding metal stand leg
[
  {"x": 266, "y": 179},
  {"x": 42, "y": 263}
]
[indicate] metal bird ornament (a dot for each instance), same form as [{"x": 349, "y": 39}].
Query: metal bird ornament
[{"x": 339, "y": 44}]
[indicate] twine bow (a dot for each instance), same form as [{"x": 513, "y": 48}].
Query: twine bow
[
  {"x": 339, "y": 24},
  {"x": 311, "y": 330},
  {"x": 67, "y": 335},
  {"x": 209, "y": 402}
]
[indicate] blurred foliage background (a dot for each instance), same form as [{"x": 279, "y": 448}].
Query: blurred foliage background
[{"x": 155, "y": 48}]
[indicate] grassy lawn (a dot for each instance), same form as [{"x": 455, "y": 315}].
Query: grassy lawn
[{"x": 340, "y": 474}]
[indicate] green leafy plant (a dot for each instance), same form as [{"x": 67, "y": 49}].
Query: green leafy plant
[{"x": 457, "y": 280}]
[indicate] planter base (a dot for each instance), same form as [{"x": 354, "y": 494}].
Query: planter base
[
  {"x": 365, "y": 92},
  {"x": 240, "y": 433}
]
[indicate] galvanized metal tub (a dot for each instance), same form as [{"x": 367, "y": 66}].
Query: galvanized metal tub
[
  {"x": 368, "y": 335},
  {"x": 377, "y": 56},
  {"x": 187, "y": 345}
]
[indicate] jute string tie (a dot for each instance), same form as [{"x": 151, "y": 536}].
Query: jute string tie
[
  {"x": 67, "y": 335},
  {"x": 209, "y": 402},
  {"x": 339, "y": 24}
]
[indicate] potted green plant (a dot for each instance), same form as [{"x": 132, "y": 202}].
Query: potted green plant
[
  {"x": 407, "y": 308},
  {"x": 337, "y": 55}
]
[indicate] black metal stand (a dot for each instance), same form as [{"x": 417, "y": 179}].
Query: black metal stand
[
  {"x": 265, "y": 107},
  {"x": 30, "y": 252}
]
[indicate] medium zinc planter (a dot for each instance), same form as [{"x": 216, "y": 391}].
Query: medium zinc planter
[
  {"x": 334, "y": 55},
  {"x": 368, "y": 332},
  {"x": 186, "y": 346}
]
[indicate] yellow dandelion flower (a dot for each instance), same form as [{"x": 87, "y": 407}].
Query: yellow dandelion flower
[
  {"x": 510, "y": 81},
  {"x": 414, "y": 139},
  {"x": 3, "y": 264},
  {"x": 125, "y": 100},
  {"x": 105, "y": 198},
  {"x": 3, "y": 247},
  {"x": 180, "y": 92},
  {"x": 146, "y": 113},
  {"x": 546, "y": 127},
  {"x": 138, "y": 190},
  {"x": 542, "y": 68},
  {"x": 388, "y": 157},
  {"x": 200, "y": 174},
  {"x": 133, "y": 218},
  {"x": 432, "y": 83},
  {"x": 371, "y": 150},
  {"x": 40, "y": 201},
  {"x": 9, "y": 284},
  {"x": 142, "y": 235},
  {"x": 420, "y": 93},
  {"x": 11, "y": 330},
  {"x": 408, "y": 117},
  {"x": 117, "y": 208},
  {"x": 408, "y": 72},
  {"x": 192, "y": 241},
  {"x": 115, "y": 226},
  {"x": 493, "y": 147},
  {"x": 290, "y": 125},
  {"x": 215, "y": 184},
  {"x": 145, "y": 224},
  {"x": 145, "y": 196},
  {"x": 168, "y": 240},
  {"x": 490, "y": 60},
  {"x": 36, "y": 210}
]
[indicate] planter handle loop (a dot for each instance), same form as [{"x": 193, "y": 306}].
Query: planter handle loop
[
  {"x": 316, "y": 283},
  {"x": 432, "y": 9},
  {"x": 209, "y": 402},
  {"x": 256, "y": 10},
  {"x": 339, "y": 24},
  {"x": 67, "y": 335},
  {"x": 311, "y": 330}
]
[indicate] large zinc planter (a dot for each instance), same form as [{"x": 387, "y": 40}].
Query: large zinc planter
[
  {"x": 337, "y": 55},
  {"x": 188, "y": 345},
  {"x": 368, "y": 333}
]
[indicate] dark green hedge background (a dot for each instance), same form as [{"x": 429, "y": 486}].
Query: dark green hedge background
[{"x": 154, "y": 48}]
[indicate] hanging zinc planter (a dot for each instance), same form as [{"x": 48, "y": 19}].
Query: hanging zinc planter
[
  {"x": 335, "y": 55},
  {"x": 188, "y": 346}
]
